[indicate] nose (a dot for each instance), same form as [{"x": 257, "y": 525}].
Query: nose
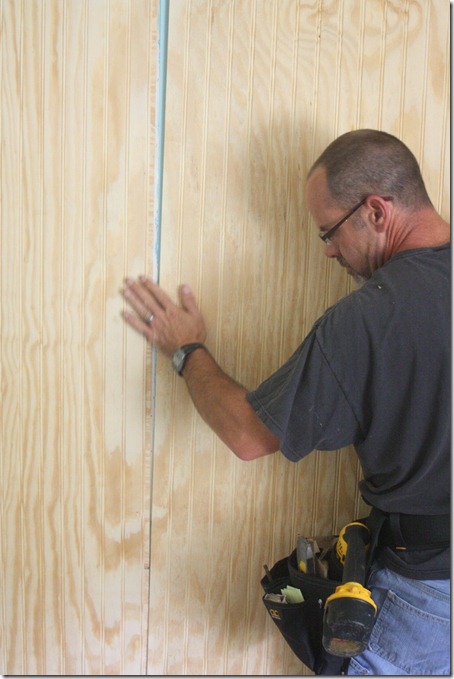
[{"x": 331, "y": 250}]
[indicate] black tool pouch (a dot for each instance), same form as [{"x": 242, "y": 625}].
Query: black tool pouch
[{"x": 301, "y": 624}]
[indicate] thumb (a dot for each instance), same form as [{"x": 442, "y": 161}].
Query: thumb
[{"x": 187, "y": 299}]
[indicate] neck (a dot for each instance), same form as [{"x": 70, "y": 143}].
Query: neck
[{"x": 421, "y": 229}]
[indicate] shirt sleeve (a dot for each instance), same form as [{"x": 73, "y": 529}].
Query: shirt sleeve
[{"x": 304, "y": 405}]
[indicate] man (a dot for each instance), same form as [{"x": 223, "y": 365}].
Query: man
[{"x": 373, "y": 372}]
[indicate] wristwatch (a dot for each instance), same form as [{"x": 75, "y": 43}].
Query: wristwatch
[{"x": 181, "y": 354}]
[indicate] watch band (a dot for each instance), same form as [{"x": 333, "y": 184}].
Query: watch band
[{"x": 181, "y": 354}]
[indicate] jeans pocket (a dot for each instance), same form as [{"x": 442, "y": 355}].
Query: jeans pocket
[
  {"x": 356, "y": 669},
  {"x": 412, "y": 639}
]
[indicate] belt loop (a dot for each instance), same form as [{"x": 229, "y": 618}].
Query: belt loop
[
  {"x": 394, "y": 524},
  {"x": 375, "y": 522}
]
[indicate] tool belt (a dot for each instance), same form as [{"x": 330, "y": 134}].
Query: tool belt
[
  {"x": 409, "y": 532},
  {"x": 301, "y": 624}
]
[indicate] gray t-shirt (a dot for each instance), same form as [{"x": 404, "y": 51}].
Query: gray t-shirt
[{"x": 375, "y": 372}]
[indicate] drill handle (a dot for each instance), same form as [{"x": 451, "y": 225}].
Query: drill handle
[{"x": 357, "y": 537}]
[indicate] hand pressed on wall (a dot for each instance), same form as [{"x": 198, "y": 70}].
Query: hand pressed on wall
[
  {"x": 166, "y": 325},
  {"x": 218, "y": 398}
]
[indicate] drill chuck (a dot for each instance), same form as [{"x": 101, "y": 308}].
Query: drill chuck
[{"x": 348, "y": 620}]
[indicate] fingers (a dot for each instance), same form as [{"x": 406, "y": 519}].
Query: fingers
[
  {"x": 138, "y": 324},
  {"x": 163, "y": 323},
  {"x": 139, "y": 295},
  {"x": 148, "y": 298},
  {"x": 144, "y": 306},
  {"x": 157, "y": 293}
]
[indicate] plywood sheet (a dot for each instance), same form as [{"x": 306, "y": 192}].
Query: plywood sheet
[
  {"x": 255, "y": 92},
  {"x": 77, "y": 89}
]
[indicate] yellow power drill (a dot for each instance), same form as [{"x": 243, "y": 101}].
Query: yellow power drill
[{"x": 349, "y": 613}]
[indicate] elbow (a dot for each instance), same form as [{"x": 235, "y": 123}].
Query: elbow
[
  {"x": 250, "y": 453},
  {"x": 247, "y": 436},
  {"x": 247, "y": 449}
]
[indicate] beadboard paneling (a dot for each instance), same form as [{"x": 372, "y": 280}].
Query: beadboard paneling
[
  {"x": 93, "y": 461},
  {"x": 256, "y": 90},
  {"x": 77, "y": 119}
]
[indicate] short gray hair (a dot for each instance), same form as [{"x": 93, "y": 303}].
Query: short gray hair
[{"x": 364, "y": 162}]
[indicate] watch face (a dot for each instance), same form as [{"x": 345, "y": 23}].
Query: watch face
[
  {"x": 178, "y": 360},
  {"x": 180, "y": 355}
]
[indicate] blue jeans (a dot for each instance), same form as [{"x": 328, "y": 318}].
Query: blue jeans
[{"x": 411, "y": 634}]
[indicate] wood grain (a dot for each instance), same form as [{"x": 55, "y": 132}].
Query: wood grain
[
  {"x": 255, "y": 92},
  {"x": 131, "y": 540},
  {"x": 77, "y": 87}
]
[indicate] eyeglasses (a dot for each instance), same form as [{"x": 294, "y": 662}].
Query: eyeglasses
[{"x": 328, "y": 236}]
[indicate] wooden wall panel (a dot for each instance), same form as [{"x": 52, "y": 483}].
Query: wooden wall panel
[
  {"x": 77, "y": 125},
  {"x": 256, "y": 90}
]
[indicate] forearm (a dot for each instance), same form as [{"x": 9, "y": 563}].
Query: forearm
[
  {"x": 222, "y": 403},
  {"x": 220, "y": 400}
]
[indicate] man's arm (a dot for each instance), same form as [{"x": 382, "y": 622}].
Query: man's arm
[{"x": 220, "y": 401}]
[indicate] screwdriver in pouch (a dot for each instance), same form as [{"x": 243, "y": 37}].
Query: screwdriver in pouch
[{"x": 349, "y": 614}]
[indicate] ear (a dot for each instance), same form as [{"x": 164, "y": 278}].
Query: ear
[{"x": 379, "y": 213}]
